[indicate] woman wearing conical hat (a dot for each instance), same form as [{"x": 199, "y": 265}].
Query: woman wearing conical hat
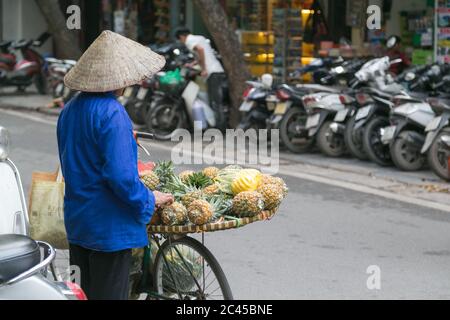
[{"x": 106, "y": 206}]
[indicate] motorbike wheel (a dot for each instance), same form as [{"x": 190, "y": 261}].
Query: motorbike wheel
[
  {"x": 373, "y": 146},
  {"x": 293, "y": 133},
  {"x": 405, "y": 157},
  {"x": 164, "y": 118},
  {"x": 329, "y": 143},
  {"x": 40, "y": 81},
  {"x": 353, "y": 140},
  {"x": 438, "y": 156}
]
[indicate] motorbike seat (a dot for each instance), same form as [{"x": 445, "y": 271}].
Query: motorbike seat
[
  {"x": 439, "y": 105},
  {"x": 5, "y": 45},
  {"x": 18, "y": 254}
]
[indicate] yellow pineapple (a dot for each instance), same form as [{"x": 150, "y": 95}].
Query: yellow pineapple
[
  {"x": 211, "y": 190},
  {"x": 248, "y": 204},
  {"x": 175, "y": 214},
  {"x": 185, "y": 175},
  {"x": 272, "y": 195},
  {"x": 247, "y": 180},
  {"x": 268, "y": 179},
  {"x": 150, "y": 180},
  {"x": 211, "y": 172},
  {"x": 200, "y": 212},
  {"x": 190, "y": 197}
]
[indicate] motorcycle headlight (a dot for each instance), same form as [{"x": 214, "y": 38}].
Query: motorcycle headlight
[
  {"x": 339, "y": 70},
  {"x": 4, "y": 144}
]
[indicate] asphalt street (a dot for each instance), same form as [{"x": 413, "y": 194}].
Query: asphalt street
[{"x": 319, "y": 245}]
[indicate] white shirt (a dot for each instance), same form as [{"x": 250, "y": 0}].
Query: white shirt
[{"x": 212, "y": 64}]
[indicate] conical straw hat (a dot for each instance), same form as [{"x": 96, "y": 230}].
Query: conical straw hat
[{"x": 113, "y": 62}]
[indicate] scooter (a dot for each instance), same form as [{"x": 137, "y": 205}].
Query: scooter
[
  {"x": 23, "y": 270},
  {"x": 184, "y": 105},
  {"x": 138, "y": 99},
  {"x": 437, "y": 142},
  {"x": 259, "y": 102},
  {"x": 56, "y": 71},
  {"x": 409, "y": 119},
  {"x": 29, "y": 66}
]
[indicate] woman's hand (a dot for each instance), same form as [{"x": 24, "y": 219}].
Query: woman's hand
[{"x": 162, "y": 199}]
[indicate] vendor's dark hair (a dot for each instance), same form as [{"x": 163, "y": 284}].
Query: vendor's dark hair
[{"x": 182, "y": 31}]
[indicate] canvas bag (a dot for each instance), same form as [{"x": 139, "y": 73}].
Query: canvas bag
[{"x": 46, "y": 209}]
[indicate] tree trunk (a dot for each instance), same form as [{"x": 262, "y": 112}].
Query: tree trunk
[
  {"x": 66, "y": 41},
  {"x": 229, "y": 48}
]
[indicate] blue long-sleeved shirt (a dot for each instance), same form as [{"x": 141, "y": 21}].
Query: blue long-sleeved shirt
[{"x": 106, "y": 206}]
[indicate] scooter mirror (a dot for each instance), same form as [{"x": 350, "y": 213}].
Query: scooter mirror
[
  {"x": 410, "y": 76},
  {"x": 391, "y": 42}
]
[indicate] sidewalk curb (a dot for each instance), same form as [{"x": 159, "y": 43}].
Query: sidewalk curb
[{"x": 44, "y": 110}]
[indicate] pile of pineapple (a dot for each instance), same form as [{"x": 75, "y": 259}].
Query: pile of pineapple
[{"x": 212, "y": 194}]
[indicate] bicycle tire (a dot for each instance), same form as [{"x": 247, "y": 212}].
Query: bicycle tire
[{"x": 203, "y": 252}]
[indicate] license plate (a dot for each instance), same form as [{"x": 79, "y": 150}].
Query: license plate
[
  {"x": 142, "y": 93},
  {"x": 281, "y": 108},
  {"x": 313, "y": 121},
  {"x": 246, "y": 106},
  {"x": 363, "y": 113},
  {"x": 341, "y": 115},
  {"x": 433, "y": 125},
  {"x": 388, "y": 134},
  {"x": 128, "y": 92}
]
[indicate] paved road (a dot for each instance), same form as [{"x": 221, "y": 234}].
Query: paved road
[{"x": 318, "y": 247}]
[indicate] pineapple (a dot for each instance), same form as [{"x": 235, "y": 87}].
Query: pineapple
[
  {"x": 226, "y": 176},
  {"x": 248, "y": 204},
  {"x": 150, "y": 180},
  {"x": 198, "y": 180},
  {"x": 211, "y": 172},
  {"x": 200, "y": 212},
  {"x": 175, "y": 214},
  {"x": 211, "y": 190},
  {"x": 185, "y": 175},
  {"x": 272, "y": 195},
  {"x": 268, "y": 179},
  {"x": 164, "y": 171},
  {"x": 247, "y": 180},
  {"x": 190, "y": 197}
]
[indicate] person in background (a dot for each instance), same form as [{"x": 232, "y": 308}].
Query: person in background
[
  {"x": 212, "y": 69},
  {"x": 106, "y": 206},
  {"x": 395, "y": 51}
]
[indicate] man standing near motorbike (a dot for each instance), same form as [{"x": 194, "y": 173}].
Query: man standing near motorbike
[
  {"x": 211, "y": 69},
  {"x": 106, "y": 206}
]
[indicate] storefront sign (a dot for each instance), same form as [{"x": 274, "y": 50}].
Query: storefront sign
[{"x": 443, "y": 31}]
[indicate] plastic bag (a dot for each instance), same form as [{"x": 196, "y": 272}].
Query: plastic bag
[
  {"x": 171, "y": 78},
  {"x": 47, "y": 209}
]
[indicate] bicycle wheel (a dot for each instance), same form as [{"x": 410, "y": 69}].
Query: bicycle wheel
[{"x": 185, "y": 269}]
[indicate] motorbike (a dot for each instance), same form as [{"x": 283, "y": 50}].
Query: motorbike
[
  {"x": 258, "y": 104},
  {"x": 27, "y": 67},
  {"x": 290, "y": 115},
  {"x": 437, "y": 142},
  {"x": 56, "y": 71},
  {"x": 23, "y": 269},
  {"x": 408, "y": 120},
  {"x": 138, "y": 99},
  {"x": 372, "y": 99},
  {"x": 185, "y": 104}
]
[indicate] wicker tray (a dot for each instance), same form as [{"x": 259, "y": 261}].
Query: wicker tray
[{"x": 224, "y": 224}]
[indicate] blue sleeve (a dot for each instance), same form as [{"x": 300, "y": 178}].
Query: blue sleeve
[{"x": 117, "y": 143}]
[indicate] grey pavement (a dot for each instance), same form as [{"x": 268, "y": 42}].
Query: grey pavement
[{"x": 319, "y": 245}]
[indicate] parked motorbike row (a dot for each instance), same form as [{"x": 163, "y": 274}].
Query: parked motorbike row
[{"x": 367, "y": 113}]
